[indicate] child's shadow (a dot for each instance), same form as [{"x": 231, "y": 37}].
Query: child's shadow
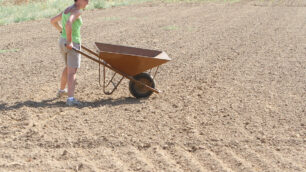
[{"x": 51, "y": 103}]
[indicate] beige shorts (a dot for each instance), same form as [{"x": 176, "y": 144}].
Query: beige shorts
[{"x": 71, "y": 57}]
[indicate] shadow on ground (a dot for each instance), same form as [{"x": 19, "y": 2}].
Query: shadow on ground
[{"x": 55, "y": 103}]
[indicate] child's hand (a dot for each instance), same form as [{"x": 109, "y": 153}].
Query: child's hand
[{"x": 69, "y": 45}]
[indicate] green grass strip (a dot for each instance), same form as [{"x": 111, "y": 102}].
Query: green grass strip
[
  {"x": 10, "y": 50},
  {"x": 11, "y": 13}
]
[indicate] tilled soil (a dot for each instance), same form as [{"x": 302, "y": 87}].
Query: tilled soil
[{"x": 233, "y": 95}]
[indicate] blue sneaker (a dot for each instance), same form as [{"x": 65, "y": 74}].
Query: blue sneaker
[{"x": 73, "y": 102}]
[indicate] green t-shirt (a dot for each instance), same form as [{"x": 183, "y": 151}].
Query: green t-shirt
[{"x": 76, "y": 28}]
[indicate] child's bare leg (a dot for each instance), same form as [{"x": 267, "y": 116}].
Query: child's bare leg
[
  {"x": 71, "y": 80},
  {"x": 64, "y": 79}
]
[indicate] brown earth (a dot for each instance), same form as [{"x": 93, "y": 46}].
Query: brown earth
[{"x": 233, "y": 95}]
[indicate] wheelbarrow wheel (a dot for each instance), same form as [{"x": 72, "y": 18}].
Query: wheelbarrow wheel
[{"x": 140, "y": 91}]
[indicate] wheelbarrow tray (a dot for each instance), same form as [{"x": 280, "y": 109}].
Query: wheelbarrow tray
[{"x": 130, "y": 60}]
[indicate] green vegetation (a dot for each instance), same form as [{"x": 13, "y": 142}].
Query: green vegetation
[
  {"x": 10, "y": 50},
  {"x": 171, "y": 27},
  {"x": 13, "y": 11}
]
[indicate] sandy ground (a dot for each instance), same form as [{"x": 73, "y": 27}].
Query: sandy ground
[{"x": 233, "y": 95}]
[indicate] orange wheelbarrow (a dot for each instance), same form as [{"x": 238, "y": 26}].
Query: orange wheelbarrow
[{"x": 131, "y": 63}]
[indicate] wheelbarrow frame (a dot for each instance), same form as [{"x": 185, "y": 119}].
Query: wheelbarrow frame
[{"x": 124, "y": 75}]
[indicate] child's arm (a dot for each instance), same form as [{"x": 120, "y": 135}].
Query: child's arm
[{"x": 54, "y": 21}]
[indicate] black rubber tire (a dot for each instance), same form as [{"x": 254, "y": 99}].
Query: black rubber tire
[{"x": 139, "y": 91}]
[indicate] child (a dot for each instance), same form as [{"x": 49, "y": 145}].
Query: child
[{"x": 70, "y": 37}]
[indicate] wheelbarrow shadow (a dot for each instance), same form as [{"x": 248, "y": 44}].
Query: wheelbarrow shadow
[
  {"x": 56, "y": 103},
  {"x": 110, "y": 101}
]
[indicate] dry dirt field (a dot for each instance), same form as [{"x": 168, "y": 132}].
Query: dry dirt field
[{"x": 233, "y": 95}]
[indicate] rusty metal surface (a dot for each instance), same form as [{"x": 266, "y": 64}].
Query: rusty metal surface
[{"x": 130, "y": 60}]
